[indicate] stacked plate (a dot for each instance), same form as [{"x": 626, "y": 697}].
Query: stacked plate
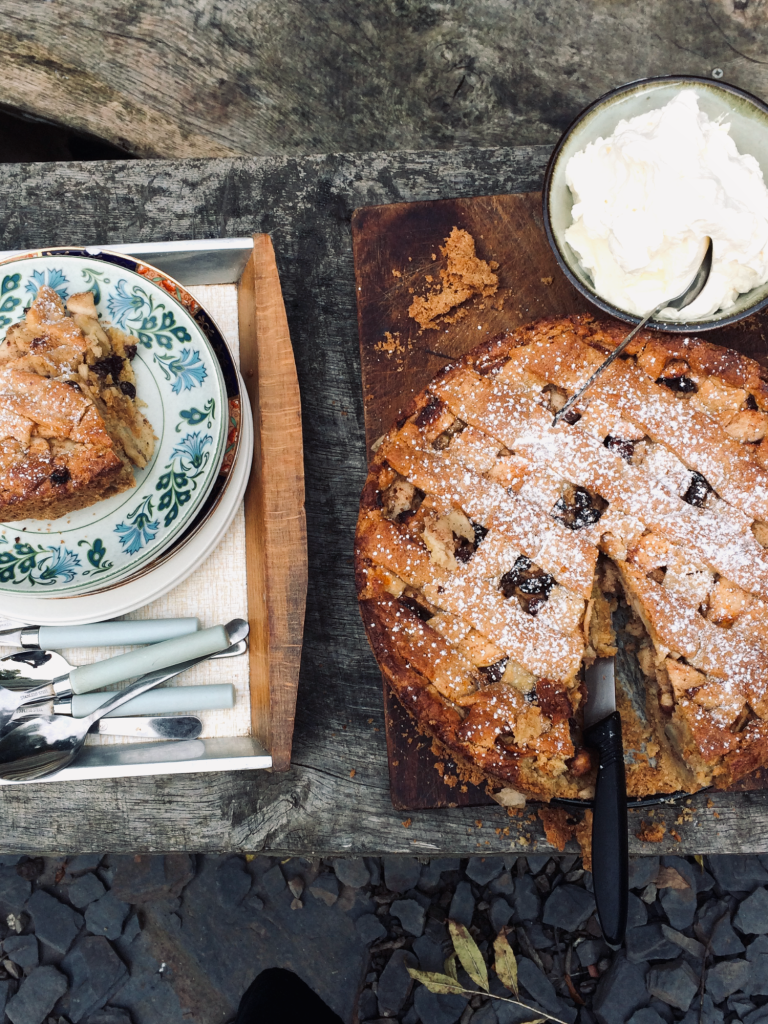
[{"x": 122, "y": 553}]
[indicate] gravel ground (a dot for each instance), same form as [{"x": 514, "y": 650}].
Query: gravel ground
[{"x": 148, "y": 939}]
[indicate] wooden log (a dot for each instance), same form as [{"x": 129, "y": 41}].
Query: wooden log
[{"x": 196, "y": 78}]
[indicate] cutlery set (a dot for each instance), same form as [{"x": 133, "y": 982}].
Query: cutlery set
[{"x": 47, "y": 706}]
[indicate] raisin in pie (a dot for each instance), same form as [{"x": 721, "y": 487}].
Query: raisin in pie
[
  {"x": 497, "y": 555},
  {"x": 70, "y": 423}
]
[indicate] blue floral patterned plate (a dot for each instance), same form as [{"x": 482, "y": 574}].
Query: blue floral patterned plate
[{"x": 179, "y": 378}]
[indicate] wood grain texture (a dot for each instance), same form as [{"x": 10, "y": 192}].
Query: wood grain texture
[
  {"x": 276, "y": 531},
  {"x": 397, "y": 254},
  {"x": 202, "y": 78},
  {"x": 316, "y": 807}
]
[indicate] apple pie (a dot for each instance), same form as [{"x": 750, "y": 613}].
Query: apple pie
[
  {"x": 71, "y": 426},
  {"x": 497, "y": 555}
]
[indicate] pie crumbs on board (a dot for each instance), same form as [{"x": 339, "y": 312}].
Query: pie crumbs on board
[{"x": 465, "y": 277}]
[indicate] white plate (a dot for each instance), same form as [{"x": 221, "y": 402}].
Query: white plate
[
  {"x": 120, "y": 600},
  {"x": 178, "y": 377}
]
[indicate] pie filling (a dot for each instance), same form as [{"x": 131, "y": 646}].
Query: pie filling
[
  {"x": 497, "y": 555},
  {"x": 71, "y": 425}
]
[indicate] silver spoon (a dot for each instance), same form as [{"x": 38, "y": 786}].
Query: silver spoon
[
  {"x": 43, "y": 745},
  {"x": 685, "y": 298},
  {"x": 50, "y": 676},
  {"x": 72, "y": 705}
]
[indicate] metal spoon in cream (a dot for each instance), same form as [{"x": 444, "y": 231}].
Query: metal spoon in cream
[{"x": 647, "y": 196}]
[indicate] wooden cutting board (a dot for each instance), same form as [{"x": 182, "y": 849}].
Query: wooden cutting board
[{"x": 397, "y": 251}]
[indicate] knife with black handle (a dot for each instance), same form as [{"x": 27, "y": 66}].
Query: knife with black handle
[{"x": 610, "y": 847}]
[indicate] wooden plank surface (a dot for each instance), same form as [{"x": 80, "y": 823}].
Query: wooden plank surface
[
  {"x": 397, "y": 254},
  {"x": 317, "y": 807},
  {"x": 197, "y": 78},
  {"x": 276, "y": 532}
]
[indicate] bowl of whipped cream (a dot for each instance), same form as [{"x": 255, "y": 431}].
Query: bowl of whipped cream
[{"x": 638, "y": 183}]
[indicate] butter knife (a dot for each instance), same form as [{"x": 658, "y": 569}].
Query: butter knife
[
  {"x": 123, "y": 633},
  {"x": 610, "y": 846}
]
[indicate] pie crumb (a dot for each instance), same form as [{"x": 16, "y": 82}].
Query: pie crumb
[
  {"x": 651, "y": 832},
  {"x": 465, "y": 277}
]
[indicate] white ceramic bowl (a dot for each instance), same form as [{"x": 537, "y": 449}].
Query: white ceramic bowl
[{"x": 748, "y": 118}]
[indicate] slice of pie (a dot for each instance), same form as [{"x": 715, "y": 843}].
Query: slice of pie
[
  {"x": 497, "y": 555},
  {"x": 71, "y": 427}
]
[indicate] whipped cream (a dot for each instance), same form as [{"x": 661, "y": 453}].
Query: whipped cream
[{"x": 646, "y": 198}]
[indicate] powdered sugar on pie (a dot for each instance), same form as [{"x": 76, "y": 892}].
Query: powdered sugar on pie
[{"x": 492, "y": 549}]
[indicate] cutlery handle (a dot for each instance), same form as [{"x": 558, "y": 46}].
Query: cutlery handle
[
  {"x": 610, "y": 847},
  {"x": 109, "y": 634},
  {"x": 148, "y": 659},
  {"x": 165, "y": 701}
]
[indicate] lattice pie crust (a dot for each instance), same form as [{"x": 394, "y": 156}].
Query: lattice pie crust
[{"x": 492, "y": 549}]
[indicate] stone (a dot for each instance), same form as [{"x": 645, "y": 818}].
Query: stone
[
  {"x": 637, "y": 911},
  {"x": 527, "y": 903},
  {"x": 664, "y": 1011},
  {"x": 726, "y": 977},
  {"x": 679, "y": 905},
  {"x": 83, "y": 863},
  {"x": 589, "y": 951},
  {"x": 431, "y": 954},
  {"x": 504, "y": 885},
  {"x": 500, "y": 914},
  {"x": 642, "y": 871},
  {"x": 736, "y": 872},
  {"x": 462, "y": 905},
  {"x": 485, "y": 1015},
  {"x": 368, "y": 1005},
  {"x": 707, "y": 1014},
  {"x": 55, "y": 924},
  {"x": 704, "y": 881},
  {"x": 22, "y": 950},
  {"x": 432, "y": 872},
  {"x": 395, "y": 983},
  {"x": 675, "y": 984},
  {"x": 369, "y": 928},
  {"x": 374, "y": 867},
  {"x": 540, "y": 988},
  {"x": 105, "y": 916},
  {"x": 758, "y": 1016},
  {"x": 568, "y": 907},
  {"x": 110, "y": 1015},
  {"x": 14, "y": 891},
  {"x": 649, "y": 943},
  {"x": 646, "y": 1016},
  {"x": 37, "y": 995},
  {"x": 434, "y": 1009},
  {"x": 140, "y": 878},
  {"x": 538, "y": 861},
  {"x": 401, "y": 873},
  {"x": 752, "y": 916},
  {"x": 620, "y": 991},
  {"x": 410, "y": 914},
  {"x": 484, "y": 869},
  {"x": 411, "y": 1017},
  {"x": 352, "y": 871},
  {"x": 757, "y": 983},
  {"x": 85, "y": 890},
  {"x": 739, "y": 1004},
  {"x": 757, "y": 948},
  {"x": 724, "y": 940},
  {"x": 537, "y": 937},
  {"x": 273, "y": 881},
  {"x": 326, "y": 888},
  {"x": 692, "y": 946},
  {"x": 132, "y": 929},
  {"x": 95, "y": 974},
  {"x": 232, "y": 881}
]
